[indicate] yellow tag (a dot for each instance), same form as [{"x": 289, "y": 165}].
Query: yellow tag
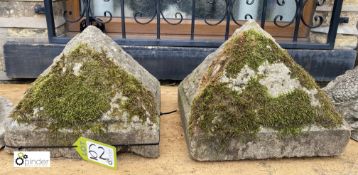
[{"x": 97, "y": 152}]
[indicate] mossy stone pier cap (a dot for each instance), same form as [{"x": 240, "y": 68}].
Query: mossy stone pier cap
[
  {"x": 92, "y": 89},
  {"x": 249, "y": 88}
]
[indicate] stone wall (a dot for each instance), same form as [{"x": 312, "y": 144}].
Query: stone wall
[
  {"x": 19, "y": 22},
  {"x": 347, "y": 35}
]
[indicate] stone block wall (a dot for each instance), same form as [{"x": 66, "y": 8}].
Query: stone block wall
[
  {"x": 347, "y": 35},
  {"x": 19, "y": 22}
]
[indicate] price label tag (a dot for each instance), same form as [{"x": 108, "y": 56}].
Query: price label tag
[{"x": 97, "y": 152}]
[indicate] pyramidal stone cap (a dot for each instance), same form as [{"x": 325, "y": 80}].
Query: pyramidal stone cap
[
  {"x": 250, "y": 100},
  {"x": 92, "y": 89}
]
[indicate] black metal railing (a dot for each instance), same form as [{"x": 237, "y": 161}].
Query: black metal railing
[{"x": 87, "y": 18}]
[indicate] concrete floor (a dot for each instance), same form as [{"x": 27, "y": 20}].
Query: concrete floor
[{"x": 174, "y": 158}]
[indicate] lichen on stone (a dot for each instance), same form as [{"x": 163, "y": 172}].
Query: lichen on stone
[
  {"x": 79, "y": 90},
  {"x": 238, "y": 98}
]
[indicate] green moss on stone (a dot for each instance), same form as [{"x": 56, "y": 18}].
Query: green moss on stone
[
  {"x": 223, "y": 113},
  {"x": 66, "y": 101},
  {"x": 253, "y": 49}
]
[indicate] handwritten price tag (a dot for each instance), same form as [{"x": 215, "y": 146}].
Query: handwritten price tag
[{"x": 97, "y": 152}]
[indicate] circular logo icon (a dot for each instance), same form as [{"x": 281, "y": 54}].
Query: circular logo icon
[
  {"x": 21, "y": 158},
  {"x": 19, "y": 161}
]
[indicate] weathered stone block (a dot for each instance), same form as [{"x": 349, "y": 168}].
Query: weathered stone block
[
  {"x": 250, "y": 100},
  {"x": 92, "y": 89},
  {"x": 344, "y": 93},
  {"x": 5, "y": 108}
]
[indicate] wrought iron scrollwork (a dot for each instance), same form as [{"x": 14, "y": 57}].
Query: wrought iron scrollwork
[
  {"x": 143, "y": 17},
  {"x": 207, "y": 16},
  {"x": 317, "y": 19},
  {"x": 228, "y": 11},
  {"x": 248, "y": 2},
  {"x": 90, "y": 19},
  {"x": 140, "y": 14},
  {"x": 248, "y": 16},
  {"x": 232, "y": 14},
  {"x": 279, "y": 18},
  {"x": 178, "y": 16},
  {"x": 281, "y": 2}
]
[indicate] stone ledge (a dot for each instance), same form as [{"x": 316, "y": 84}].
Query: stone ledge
[
  {"x": 342, "y": 41},
  {"x": 342, "y": 29},
  {"x": 38, "y": 22},
  {"x": 345, "y": 8},
  {"x": 29, "y": 59}
]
